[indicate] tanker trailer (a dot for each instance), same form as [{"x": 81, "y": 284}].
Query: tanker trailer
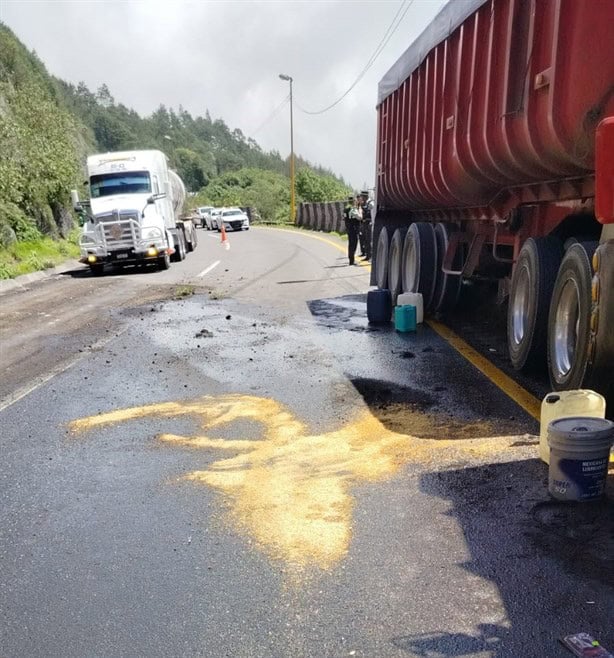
[
  {"x": 495, "y": 158},
  {"x": 185, "y": 234}
]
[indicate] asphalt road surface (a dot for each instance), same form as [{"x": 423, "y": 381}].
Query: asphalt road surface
[{"x": 225, "y": 459}]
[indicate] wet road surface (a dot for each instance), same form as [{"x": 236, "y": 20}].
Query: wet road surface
[{"x": 253, "y": 470}]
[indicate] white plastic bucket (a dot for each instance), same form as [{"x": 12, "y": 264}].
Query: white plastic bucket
[
  {"x": 579, "y": 457},
  {"x": 561, "y": 404}
]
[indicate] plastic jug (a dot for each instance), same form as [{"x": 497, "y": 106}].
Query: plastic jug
[
  {"x": 562, "y": 404},
  {"x": 413, "y": 299},
  {"x": 405, "y": 318}
]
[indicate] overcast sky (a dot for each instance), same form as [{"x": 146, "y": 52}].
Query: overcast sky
[{"x": 226, "y": 56}]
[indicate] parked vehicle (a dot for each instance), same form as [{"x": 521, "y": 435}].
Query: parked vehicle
[
  {"x": 234, "y": 219},
  {"x": 213, "y": 219},
  {"x": 133, "y": 215},
  {"x": 495, "y": 158},
  {"x": 203, "y": 213}
]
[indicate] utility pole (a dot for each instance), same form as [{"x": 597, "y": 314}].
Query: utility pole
[{"x": 288, "y": 78}]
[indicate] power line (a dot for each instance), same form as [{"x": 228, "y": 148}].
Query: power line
[
  {"x": 392, "y": 28},
  {"x": 277, "y": 109}
]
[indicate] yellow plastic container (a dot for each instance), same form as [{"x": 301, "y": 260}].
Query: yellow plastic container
[{"x": 562, "y": 404}]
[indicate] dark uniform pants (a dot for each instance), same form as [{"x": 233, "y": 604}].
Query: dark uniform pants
[
  {"x": 351, "y": 226},
  {"x": 365, "y": 237}
]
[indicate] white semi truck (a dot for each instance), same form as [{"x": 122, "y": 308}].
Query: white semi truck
[{"x": 134, "y": 212}]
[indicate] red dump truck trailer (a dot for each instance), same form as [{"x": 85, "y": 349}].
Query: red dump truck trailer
[{"x": 495, "y": 158}]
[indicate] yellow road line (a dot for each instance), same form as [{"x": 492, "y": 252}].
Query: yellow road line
[
  {"x": 337, "y": 246},
  {"x": 513, "y": 390}
]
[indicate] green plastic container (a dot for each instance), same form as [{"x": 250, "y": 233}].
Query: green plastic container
[{"x": 405, "y": 318}]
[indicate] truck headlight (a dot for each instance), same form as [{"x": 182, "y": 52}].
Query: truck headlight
[{"x": 151, "y": 233}]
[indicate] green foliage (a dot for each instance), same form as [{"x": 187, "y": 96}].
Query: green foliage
[
  {"x": 265, "y": 191},
  {"x": 39, "y": 157},
  {"x": 13, "y": 217},
  {"x": 313, "y": 187},
  {"x": 192, "y": 168},
  {"x": 33, "y": 255}
]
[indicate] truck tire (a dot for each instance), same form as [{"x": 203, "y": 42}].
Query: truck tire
[
  {"x": 193, "y": 240},
  {"x": 447, "y": 286},
  {"x": 419, "y": 269},
  {"x": 97, "y": 269},
  {"x": 179, "y": 254},
  {"x": 164, "y": 261},
  {"x": 569, "y": 318},
  {"x": 395, "y": 256},
  {"x": 530, "y": 294},
  {"x": 381, "y": 259}
]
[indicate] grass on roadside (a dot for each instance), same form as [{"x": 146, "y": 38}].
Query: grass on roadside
[
  {"x": 184, "y": 291},
  {"x": 32, "y": 256}
]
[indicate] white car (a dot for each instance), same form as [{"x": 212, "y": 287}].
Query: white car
[
  {"x": 212, "y": 219},
  {"x": 234, "y": 219},
  {"x": 203, "y": 212}
]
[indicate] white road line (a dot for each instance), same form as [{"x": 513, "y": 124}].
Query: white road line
[
  {"x": 208, "y": 269},
  {"x": 21, "y": 393}
]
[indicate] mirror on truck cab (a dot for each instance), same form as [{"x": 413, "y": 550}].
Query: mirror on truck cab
[
  {"x": 155, "y": 197},
  {"x": 78, "y": 207}
]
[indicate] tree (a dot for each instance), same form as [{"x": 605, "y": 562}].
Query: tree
[
  {"x": 314, "y": 188},
  {"x": 191, "y": 168},
  {"x": 103, "y": 96}
]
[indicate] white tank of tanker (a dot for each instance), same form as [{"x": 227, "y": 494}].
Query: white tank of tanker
[{"x": 178, "y": 193}]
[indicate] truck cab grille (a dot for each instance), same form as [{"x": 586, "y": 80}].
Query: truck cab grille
[{"x": 119, "y": 230}]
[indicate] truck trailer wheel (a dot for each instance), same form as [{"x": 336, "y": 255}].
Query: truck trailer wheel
[
  {"x": 381, "y": 259},
  {"x": 447, "y": 286},
  {"x": 193, "y": 240},
  {"x": 419, "y": 267},
  {"x": 395, "y": 256},
  {"x": 569, "y": 318},
  {"x": 179, "y": 254},
  {"x": 530, "y": 294}
]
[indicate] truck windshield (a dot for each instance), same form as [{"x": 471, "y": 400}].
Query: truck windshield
[{"x": 133, "y": 182}]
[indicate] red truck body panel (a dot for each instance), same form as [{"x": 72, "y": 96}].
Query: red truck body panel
[{"x": 511, "y": 98}]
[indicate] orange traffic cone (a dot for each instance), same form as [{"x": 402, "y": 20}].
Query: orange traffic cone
[{"x": 225, "y": 242}]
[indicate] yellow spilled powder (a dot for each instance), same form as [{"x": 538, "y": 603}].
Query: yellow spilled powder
[{"x": 290, "y": 490}]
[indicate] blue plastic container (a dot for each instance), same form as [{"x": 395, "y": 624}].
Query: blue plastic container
[
  {"x": 379, "y": 306},
  {"x": 405, "y": 318}
]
